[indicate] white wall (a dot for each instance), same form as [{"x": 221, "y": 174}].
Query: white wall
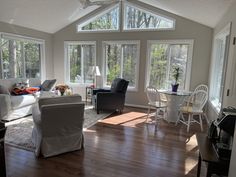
[
  {"x": 230, "y": 81},
  {"x": 8, "y": 28},
  {"x": 185, "y": 29}
]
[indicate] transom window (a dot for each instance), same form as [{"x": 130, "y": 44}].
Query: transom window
[
  {"x": 121, "y": 60},
  {"x": 163, "y": 58},
  {"x": 137, "y": 18},
  {"x": 106, "y": 21},
  {"x": 80, "y": 58},
  {"x": 134, "y": 18},
  {"x": 20, "y": 57}
]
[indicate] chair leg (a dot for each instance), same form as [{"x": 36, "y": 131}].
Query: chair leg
[
  {"x": 148, "y": 113},
  {"x": 189, "y": 121},
  {"x": 200, "y": 121}
]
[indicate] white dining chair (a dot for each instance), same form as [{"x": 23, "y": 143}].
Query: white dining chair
[
  {"x": 205, "y": 88},
  {"x": 201, "y": 87},
  {"x": 193, "y": 107},
  {"x": 155, "y": 101}
]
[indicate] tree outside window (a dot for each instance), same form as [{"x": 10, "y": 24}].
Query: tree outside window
[
  {"x": 163, "y": 58},
  {"x": 80, "y": 57},
  {"x": 20, "y": 58},
  {"x": 121, "y": 60}
]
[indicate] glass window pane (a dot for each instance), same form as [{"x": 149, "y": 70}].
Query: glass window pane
[
  {"x": 20, "y": 59},
  {"x": 164, "y": 58},
  {"x": 137, "y": 18},
  {"x": 129, "y": 63},
  {"x": 107, "y": 21},
  {"x": 121, "y": 60},
  {"x": 81, "y": 58},
  {"x": 113, "y": 62}
]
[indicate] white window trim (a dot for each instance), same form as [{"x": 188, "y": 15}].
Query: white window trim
[
  {"x": 221, "y": 34},
  {"x": 147, "y": 11},
  {"x": 86, "y": 22},
  {"x": 135, "y": 88},
  {"x": 190, "y": 42},
  {"x": 31, "y": 39},
  {"x": 67, "y": 62}
]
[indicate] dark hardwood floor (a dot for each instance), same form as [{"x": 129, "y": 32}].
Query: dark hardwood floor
[{"x": 119, "y": 146}]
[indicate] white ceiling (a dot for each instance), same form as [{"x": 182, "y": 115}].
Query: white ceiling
[{"x": 52, "y": 15}]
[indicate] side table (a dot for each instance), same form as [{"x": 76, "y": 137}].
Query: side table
[
  {"x": 2, "y": 152},
  {"x": 89, "y": 93},
  {"x": 208, "y": 154}
]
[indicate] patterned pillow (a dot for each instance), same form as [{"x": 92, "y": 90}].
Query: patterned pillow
[{"x": 19, "y": 88}]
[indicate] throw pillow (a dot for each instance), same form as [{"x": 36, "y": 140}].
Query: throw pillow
[
  {"x": 4, "y": 90},
  {"x": 19, "y": 88},
  {"x": 48, "y": 84}
]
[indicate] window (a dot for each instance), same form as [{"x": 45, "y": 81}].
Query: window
[
  {"x": 20, "y": 57},
  {"x": 134, "y": 18},
  {"x": 106, "y": 21},
  {"x": 219, "y": 60},
  {"x": 121, "y": 60},
  {"x": 163, "y": 57},
  {"x": 137, "y": 18},
  {"x": 80, "y": 58}
]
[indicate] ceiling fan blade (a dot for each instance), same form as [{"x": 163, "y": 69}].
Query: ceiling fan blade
[{"x": 86, "y": 3}]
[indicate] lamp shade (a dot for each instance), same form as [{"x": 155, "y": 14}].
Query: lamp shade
[{"x": 94, "y": 70}]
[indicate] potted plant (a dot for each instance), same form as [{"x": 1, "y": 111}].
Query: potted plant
[{"x": 176, "y": 75}]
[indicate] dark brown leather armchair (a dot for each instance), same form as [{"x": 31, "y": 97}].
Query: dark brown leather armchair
[{"x": 113, "y": 99}]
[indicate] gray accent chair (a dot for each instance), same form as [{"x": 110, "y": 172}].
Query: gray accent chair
[
  {"x": 58, "y": 125},
  {"x": 112, "y": 99}
]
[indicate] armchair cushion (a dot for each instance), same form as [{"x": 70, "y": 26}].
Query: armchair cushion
[{"x": 119, "y": 86}]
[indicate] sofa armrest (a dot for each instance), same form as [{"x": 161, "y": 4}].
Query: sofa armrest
[{"x": 5, "y": 105}]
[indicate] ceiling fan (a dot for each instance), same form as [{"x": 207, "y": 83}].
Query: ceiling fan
[{"x": 86, "y": 3}]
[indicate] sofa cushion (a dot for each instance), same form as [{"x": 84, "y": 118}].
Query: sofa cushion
[
  {"x": 4, "y": 90},
  {"x": 48, "y": 84},
  {"x": 22, "y": 100}
]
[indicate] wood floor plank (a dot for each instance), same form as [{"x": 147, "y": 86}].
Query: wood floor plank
[{"x": 121, "y": 145}]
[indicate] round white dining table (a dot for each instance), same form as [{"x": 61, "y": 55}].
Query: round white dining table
[{"x": 174, "y": 101}]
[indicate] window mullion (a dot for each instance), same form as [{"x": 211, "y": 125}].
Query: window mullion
[
  {"x": 122, "y": 60},
  {"x": 168, "y": 65}
]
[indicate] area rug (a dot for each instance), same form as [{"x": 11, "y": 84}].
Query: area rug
[{"x": 19, "y": 132}]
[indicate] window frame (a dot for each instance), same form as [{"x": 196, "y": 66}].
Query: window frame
[
  {"x": 147, "y": 11},
  {"x": 67, "y": 62},
  {"x": 137, "y": 42},
  {"x": 221, "y": 35},
  {"x": 190, "y": 42},
  {"x": 41, "y": 42},
  {"x": 80, "y": 25}
]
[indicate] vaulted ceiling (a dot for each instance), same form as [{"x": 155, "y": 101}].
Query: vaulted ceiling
[{"x": 52, "y": 15}]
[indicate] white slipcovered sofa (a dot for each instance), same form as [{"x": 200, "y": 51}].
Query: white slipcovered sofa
[{"x": 16, "y": 106}]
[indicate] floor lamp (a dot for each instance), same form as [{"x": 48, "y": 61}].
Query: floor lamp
[{"x": 94, "y": 72}]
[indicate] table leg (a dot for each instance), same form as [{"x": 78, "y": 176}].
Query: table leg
[{"x": 199, "y": 165}]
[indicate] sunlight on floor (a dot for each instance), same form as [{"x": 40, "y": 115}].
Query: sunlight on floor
[
  {"x": 192, "y": 143},
  {"x": 131, "y": 119},
  {"x": 190, "y": 163}
]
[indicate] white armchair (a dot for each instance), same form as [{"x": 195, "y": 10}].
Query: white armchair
[{"x": 58, "y": 125}]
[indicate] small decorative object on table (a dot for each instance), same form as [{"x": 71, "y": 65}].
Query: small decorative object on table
[
  {"x": 63, "y": 89},
  {"x": 176, "y": 75}
]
